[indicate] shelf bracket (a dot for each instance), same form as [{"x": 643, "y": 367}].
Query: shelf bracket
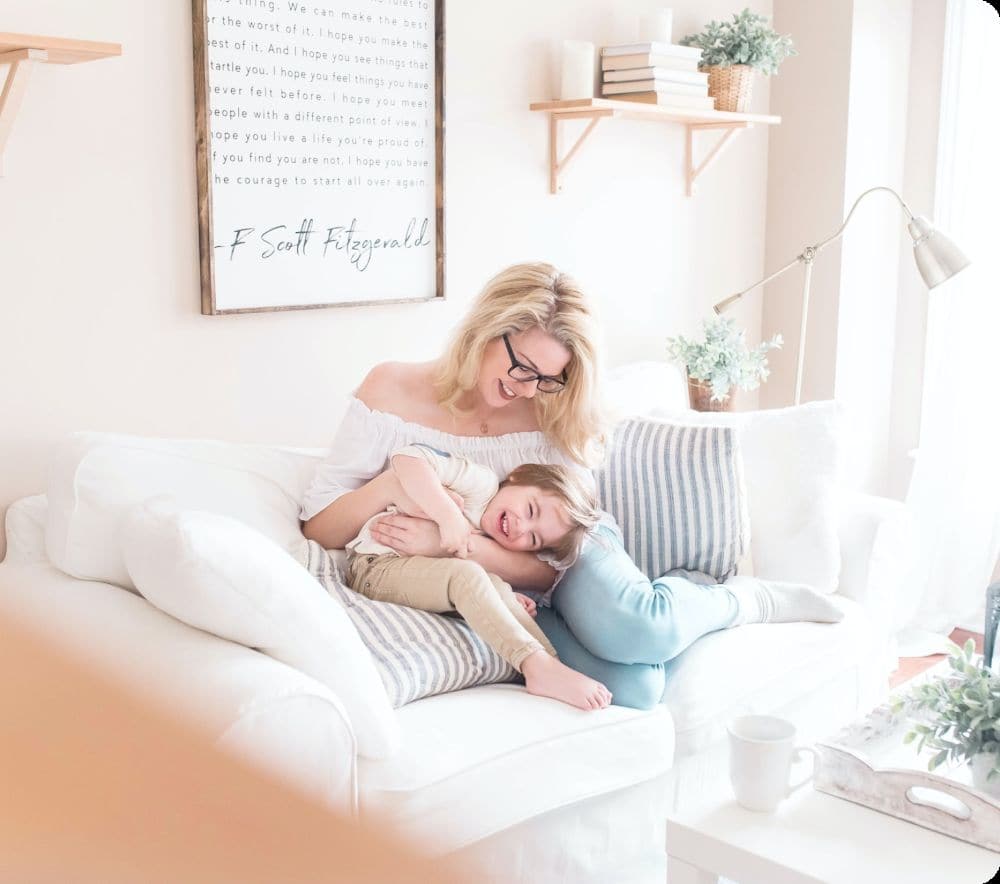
[
  {"x": 21, "y": 62},
  {"x": 692, "y": 172},
  {"x": 557, "y": 166}
]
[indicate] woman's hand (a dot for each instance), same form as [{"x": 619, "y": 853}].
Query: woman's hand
[
  {"x": 409, "y": 536},
  {"x": 420, "y": 537}
]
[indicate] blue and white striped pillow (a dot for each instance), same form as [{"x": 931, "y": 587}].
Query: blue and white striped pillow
[
  {"x": 678, "y": 496},
  {"x": 416, "y": 653}
]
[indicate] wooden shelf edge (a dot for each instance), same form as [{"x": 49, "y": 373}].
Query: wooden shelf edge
[
  {"x": 638, "y": 108},
  {"x": 19, "y": 53},
  {"x": 61, "y": 50},
  {"x": 725, "y": 124}
]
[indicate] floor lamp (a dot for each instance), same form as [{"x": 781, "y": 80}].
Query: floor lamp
[{"x": 937, "y": 257}]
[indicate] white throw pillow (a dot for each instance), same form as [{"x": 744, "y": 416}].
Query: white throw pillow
[
  {"x": 97, "y": 477},
  {"x": 224, "y": 577},
  {"x": 636, "y": 389},
  {"x": 792, "y": 462}
]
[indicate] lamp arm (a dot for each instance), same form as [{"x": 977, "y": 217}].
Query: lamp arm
[
  {"x": 722, "y": 306},
  {"x": 840, "y": 231},
  {"x": 810, "y": 252}
]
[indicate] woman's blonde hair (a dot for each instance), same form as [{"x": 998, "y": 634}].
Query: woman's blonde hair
[
  {"x": 520, "y": 298},
  {"x": 576, "y": 497}
]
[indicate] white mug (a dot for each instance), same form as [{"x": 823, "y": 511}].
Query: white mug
[{"x": 761, "y": 753}]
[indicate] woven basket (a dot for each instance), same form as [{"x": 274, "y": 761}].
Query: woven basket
[
  {"x": 700, "y": 397},
  {"x": 730, "y": 87}
]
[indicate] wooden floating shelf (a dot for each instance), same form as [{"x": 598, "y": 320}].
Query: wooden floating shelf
[
  {"x": 60, "y": 50},
  {"x": 597, "y": 109},
  {"x": 20, "y": 52}
]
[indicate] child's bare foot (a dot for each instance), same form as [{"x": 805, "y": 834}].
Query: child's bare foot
[{"x": 545, "y": 676}]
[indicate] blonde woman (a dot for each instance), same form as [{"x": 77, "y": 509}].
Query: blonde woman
[{"x": 517, "y": 385}]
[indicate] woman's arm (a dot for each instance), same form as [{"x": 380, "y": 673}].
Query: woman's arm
[
  {"x": 354, "y": 469},
  {"x": 338, "y": 524},
  {"x": 523, "y": 570},
  {"x": 420, "y": 537}
]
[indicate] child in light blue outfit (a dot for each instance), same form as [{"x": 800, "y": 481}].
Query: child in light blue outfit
[{"x": 609, "y": 621}]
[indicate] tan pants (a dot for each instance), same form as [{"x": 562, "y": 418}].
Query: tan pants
[{"x": 485, "y": 601}]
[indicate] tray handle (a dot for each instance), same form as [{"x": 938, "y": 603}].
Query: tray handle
[{"x": 940, "y": 800}]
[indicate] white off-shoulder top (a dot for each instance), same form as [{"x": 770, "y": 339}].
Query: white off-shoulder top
[{"x": 366, "y": 437}]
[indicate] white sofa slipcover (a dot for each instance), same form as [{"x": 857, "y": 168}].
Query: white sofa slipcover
[{"x": 536, "y": 790}]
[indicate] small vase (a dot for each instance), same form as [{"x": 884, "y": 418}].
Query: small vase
[
  {"x": 981, "y": 765},
  {"x": 700, "y": 397}
]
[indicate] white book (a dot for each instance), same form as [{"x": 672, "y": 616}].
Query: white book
[
  {"x": 648, "y": 60},
  {"x": 667, "y": 99},
  {"x": 666, "y": 75},
  {"x": 654, "y": 49},
  {"x": 660, "y": 86}
]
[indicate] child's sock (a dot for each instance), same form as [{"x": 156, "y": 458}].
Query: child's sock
[{"x": 770, "y": 601}]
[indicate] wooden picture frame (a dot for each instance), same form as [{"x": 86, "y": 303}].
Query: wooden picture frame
[{"x": 406, "y": 254}]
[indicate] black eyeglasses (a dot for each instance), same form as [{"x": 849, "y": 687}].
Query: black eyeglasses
[{"x": 525, "y": 373}]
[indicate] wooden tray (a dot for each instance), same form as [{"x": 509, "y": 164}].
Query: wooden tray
[{"x": 867, "y": 763}]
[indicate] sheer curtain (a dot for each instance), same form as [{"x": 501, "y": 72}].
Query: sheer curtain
[{"x": 955, "y": 490}]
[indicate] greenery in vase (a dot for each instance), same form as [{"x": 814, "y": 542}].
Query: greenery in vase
[
  {"x": 747, "y": 39},
  {"x": 962, "y": 711},
  {"x": 723, "y": 358}
]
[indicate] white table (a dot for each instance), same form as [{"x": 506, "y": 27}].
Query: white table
[{"x": 814, "y": 838}]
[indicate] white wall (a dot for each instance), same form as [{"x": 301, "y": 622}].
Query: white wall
[
  {"x": 870, "y": 259},
  {"x": 99, "y": 287},
  {"x": 845, "y": 100},
  {"x": 806, "y": 171},
  {"x": 920, "y": 174}
]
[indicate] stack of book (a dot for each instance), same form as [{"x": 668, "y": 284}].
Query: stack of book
[{"x": 655, "y": 73}]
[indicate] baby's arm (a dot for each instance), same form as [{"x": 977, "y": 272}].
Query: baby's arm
[{"x": 421, "y": 484}]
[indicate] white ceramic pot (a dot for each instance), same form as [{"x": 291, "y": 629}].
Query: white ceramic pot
[{"x": 982, "y": 764}]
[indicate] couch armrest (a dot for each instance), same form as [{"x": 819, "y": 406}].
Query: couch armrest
[
  {"x": 878, "y": 545},
  {"x": 270, "y": 714},
  {"x": 24, "y": 526}
]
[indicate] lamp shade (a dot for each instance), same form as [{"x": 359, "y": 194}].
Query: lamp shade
[{"x": 937, "y": 257}]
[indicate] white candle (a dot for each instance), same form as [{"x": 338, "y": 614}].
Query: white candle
[
  {"x": 657, "y": 27},
  {"x": 577, "y": 70}
]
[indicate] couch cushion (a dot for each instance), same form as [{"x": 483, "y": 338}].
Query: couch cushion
[
  {"x": 417, "y": 653},
  {"x": 792, "y": 460},
  {"x": 272, "y": 714},
  {"x": 97, "y": 477},
  {"x": 220, "y": 575},
  {"x": 762, "y": 668},
  {"x": 676, "y": 491},
  {"x": 471, "y": 762}
]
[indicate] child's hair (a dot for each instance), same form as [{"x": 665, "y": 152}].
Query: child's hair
[{"x": 572, "y": 492}]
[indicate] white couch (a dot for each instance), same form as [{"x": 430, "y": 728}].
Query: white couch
[{"x": 532, "y": 789}]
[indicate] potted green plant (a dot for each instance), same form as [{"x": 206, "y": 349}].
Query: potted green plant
[
  {"x": 961, "y": 718},
  {"x": 732, "y": 50},
  {"x": 720, "y": 362}
]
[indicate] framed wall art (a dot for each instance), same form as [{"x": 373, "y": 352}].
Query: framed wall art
[{"x": 320, "y": 152}]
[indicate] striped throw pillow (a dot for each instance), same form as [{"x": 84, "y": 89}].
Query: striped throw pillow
[
  {"x": 678, "y": 496},
  {"x": 416, "y": 653}
]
